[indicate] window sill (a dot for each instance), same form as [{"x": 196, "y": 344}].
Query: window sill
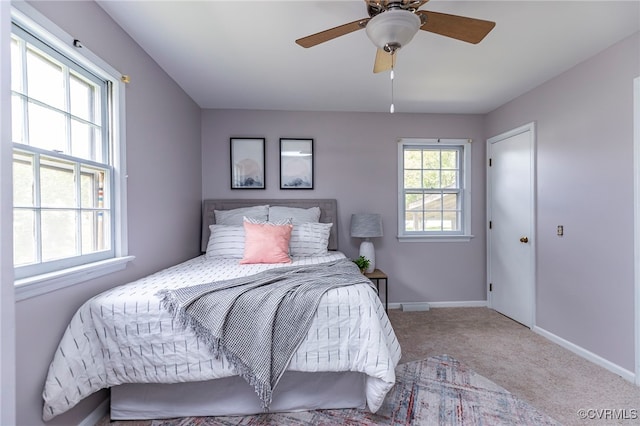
[
  {"x": 26, "y": 288},
  {"x": 435, "y": 238}
]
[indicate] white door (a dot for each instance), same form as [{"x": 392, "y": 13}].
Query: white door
[{"x": 511, "y": 232}]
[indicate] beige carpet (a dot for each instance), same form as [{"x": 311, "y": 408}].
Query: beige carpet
[
  {"x": 552, "y": 379},
  {"x": 547, "y": 376}
]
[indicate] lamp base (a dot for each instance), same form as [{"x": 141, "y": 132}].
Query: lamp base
[{"x": 366, "y": 250}]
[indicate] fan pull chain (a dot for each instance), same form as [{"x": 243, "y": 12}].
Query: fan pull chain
[{"x": 392, "y": 109}]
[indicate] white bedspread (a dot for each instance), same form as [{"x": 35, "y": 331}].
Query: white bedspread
[{"x": 124, "y": 335}]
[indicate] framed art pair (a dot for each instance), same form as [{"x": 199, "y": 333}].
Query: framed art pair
[{"x": 248, "y": 163}]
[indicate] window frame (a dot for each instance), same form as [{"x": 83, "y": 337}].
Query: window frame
[
  {"x": 28, "y": 18},
  {"x": 464, "y": 234}
]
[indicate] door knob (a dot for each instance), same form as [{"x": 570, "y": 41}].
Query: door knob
[{"x": 524, "y": 240}]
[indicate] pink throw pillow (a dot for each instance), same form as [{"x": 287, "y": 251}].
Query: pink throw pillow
[{"x": 266, "y": 243}]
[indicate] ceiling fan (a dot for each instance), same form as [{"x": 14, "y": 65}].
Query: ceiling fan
[{"x": 393, "y": 23}]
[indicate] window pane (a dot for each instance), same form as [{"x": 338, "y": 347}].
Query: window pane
[
  {"x": 23, "y": 190},
  {"x": 431, "y": 179},
  {"x": 412, "y": 158},
  {"x": 413, "y": 221},
  {"x": 413, "y": 201},
  {"x": 91, "y": 187},
  {"x": 433, "y": 202},
  {"x": 88, "y": 196},
  {"x": 450, "y": 221},
  {"x": 58, "y": 234},
  {"x": 24, "y": 247},
  {"x": 16, "y": 66},
  {"x": 431, "y": 159},
  {"x": 95, "y": 231},
  {"x": 412, "y": 178},
  {"x": 103, "y": 226},
  {"x": 57, "y": 184},
  {"x": 449, "y": 179},
  {"x": 81, "y": 98},
  {"x": 433, "y": 221},
  {"x": 47, "y": 128},
  {"x": 45, "y": 79},
  {"x": 450, "y": 202},
  {"x": 17, "y": 119},
  {"x": 99, "y": 155},
  {"x": 83, "y": 141},
  {"x": 450, "y": 159}
]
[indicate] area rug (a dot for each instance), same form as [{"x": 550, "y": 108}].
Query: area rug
[{"x": 437, "y": 391}]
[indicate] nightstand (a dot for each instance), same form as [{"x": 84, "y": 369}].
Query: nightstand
[{"x": 376, "y": 276}]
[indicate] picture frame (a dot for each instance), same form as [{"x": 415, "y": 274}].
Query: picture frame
[
  {"x": 247, "y": 163},
  {"x": 296, "y": 163}
]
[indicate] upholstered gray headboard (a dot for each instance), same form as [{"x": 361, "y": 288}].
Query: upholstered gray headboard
[{"x": 328, "y": 212}]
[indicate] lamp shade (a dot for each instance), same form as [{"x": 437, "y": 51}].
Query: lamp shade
[
  {"x": 366, "y": 225},
  {"x": 394, "y": 27}
]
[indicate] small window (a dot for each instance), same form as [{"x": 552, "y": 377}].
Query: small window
[
  {"x": 433, "y": 189},
  {"x": 68, "y": 204}
]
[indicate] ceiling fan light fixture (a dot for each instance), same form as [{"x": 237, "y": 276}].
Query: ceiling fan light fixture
[{"x": 392, "y": 29}]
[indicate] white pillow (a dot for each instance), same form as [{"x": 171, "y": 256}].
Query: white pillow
[
  {"x": 226, "y": 241},
  {"x": 235, "y": 216},
  {"x": 296, "y": 214},
  {"x": 309, "y": 239}
]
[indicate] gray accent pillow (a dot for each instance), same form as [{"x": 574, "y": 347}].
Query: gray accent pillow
[
  {"x": 296, "y": 214},
  {"x": 236, "y": 216}
]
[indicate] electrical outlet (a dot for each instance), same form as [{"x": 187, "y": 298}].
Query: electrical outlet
[{"x": 560, "y": 230}]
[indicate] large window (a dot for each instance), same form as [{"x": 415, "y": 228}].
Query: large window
[
  {"x": 67, "y": 199},
  {"x": 433, "y": 188}
]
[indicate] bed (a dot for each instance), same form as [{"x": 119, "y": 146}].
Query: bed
[{"x": 126, "y": 338}]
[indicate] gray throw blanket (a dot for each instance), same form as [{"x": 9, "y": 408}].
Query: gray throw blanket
[{"x": 258, "y": 322}]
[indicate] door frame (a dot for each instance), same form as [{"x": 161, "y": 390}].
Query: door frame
[
  {"x": 636, "y": 222},
  {"x": 531, "y": 128}
]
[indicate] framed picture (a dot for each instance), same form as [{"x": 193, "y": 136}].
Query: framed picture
[
  {"x": 247, "y": 163},
  {"x": 296, "y": 163}
]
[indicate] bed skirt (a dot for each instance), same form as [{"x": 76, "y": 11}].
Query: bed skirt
[{"x": 232, "y": 396}]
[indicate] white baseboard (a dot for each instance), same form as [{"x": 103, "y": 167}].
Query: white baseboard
[
  {"x": 590, "y": 356},
  {"x": 97, "y": 414},
  {"x": 461, "y": 304}
]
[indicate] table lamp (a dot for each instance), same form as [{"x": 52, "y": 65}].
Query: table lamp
[{"x": 367, "y": 225}]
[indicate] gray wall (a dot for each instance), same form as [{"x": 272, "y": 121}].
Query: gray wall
[
  {"x": 164, "y": 196},
  {"x": 584, "y": 122},
  {"x": 356, "y": 162}
]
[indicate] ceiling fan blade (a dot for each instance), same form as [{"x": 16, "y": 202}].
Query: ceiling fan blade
[
  {"x": 462, "y": 28},
  {"x": 330, "y": 34},
  {"x": 420, "y": 3},
  {"x": 384, "y": 61}
]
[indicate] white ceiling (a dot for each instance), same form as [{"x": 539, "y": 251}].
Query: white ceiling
[{"x": 242, "y": 55}]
